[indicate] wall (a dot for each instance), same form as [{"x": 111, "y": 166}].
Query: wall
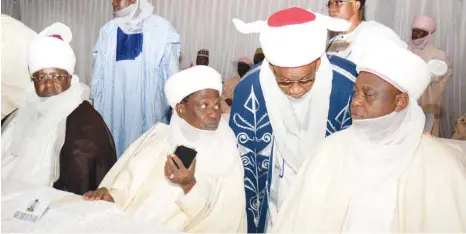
[{"x": 207, "y": 24}]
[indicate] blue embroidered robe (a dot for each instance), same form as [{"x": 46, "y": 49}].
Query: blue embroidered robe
[{"x": 250, "y": 122}]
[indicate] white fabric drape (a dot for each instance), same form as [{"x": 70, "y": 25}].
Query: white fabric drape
[{"x": 207, "y": 24}]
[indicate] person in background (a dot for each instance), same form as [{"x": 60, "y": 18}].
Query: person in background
[
  {"x": 243, "y": 66},
  {"x": 202, "y": 58},
  {"x": 383, "y": 174},
  {"x": 423, "y": 28},
  {"x": 283, "y": 108},
  {"x": 15, "y": 75},
  {"x": 258, "y": 56},
  {"x": 352, "y": 43},
  {"x": 150, "y": 181},
  {"x": 56, "y": 138},
  {"x": 135, "y": 54},
  {"x": 460, "y": 129}
]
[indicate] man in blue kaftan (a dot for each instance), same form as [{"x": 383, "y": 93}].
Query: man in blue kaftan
[
  {"x": 286, "y": 106},
  {"x": 135, "y": 54}
]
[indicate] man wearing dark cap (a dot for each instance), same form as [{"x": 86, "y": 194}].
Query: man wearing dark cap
[
  {"x": 202, "y": 57},
  {"x": 351, "y": 44}
]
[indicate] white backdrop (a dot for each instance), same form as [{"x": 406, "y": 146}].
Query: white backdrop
[{"x": 207, "y": 24}]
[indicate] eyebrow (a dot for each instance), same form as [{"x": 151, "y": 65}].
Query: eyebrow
[{"x": 202, "y": 100}]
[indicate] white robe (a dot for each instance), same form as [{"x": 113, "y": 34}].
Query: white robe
[
  {"x": 15, "y": 74},
  {"x": 430, "y": 194},
  {"x": 138, "y": 185},
  {"x": 351, "y": 46}
]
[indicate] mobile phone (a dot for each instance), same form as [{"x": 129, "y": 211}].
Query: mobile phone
[{"x": 185, "y": 154}]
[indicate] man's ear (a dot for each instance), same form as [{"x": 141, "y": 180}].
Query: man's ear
[
  {"x": 69, "y": 78},
  {"x": 402, "y": 101},
  {"x": 356, "y": 5},
  {"x": 180, "y": 109},
  {"x": 318, "y": 64}
]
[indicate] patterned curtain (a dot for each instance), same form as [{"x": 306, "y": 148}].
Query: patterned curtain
[{"x": 206, "y": 24}]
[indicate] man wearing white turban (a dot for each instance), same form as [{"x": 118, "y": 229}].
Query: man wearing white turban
[
  {"x": 135, "y": 54},
  {"x": 56, "y": 138},
  {"x": 382, "y": 174},
  {"x": 423, "y": 28},
  {"x": 284, "y": 107},
  {"x": 204, "y": 196}
]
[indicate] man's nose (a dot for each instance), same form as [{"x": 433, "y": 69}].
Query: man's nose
[
  {"x": 213, "y": 113},
  {"x": 357, "y": 101},
  {"x": 48, "y": 83},
  {"x": 295, "y": 90}
]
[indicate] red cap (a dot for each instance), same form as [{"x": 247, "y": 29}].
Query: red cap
[{"x": 291, "y": 16}]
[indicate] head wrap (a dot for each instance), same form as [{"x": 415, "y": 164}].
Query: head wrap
[
  {"x": 190, "y": 81},
  {"x": 412, "y": 75},
  {"x": 427, "y": 24},
  {"x": 287, "y": 33},
  {"x": 203, "y": 53},
  {"x": 245, "y": 60},
  {"x": 51, "y": 49},
  {"x": 131, "y": 19}
]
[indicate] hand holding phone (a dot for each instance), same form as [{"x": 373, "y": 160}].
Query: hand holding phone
[{"x": 180, "y": 168}]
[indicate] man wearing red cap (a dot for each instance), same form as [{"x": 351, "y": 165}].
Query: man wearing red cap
[
  {"x": 421, "y": 44},
  {"x": 287, "y": 105}
]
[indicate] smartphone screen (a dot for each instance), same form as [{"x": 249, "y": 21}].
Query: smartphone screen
[{"x": 186, "y": 155}]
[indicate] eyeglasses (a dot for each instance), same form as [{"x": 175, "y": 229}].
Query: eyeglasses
[
  {"x": 302, "y": 82},
  {"x": 337, "y": 3},
  {"x": 49, "y": 77}
]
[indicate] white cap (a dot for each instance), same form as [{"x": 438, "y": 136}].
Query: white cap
[
  {"x": 51, "y": 49},
  {"x": 398, "y": 66},
  {"x": 191, "y": 80}
]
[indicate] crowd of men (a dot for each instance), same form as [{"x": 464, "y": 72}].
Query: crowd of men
[{"x": 313, "y": 135}]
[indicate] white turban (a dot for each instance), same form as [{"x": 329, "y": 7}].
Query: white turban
[
  {"x": 51, "y": 49},
  {"x": 398, "y": 66},
  {"x": 293, "y": 37},
  {"x": 190, "y": 81}
]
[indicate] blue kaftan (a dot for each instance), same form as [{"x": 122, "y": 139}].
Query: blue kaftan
[
  {"x": 250, "y": 122},
  {"x": 130, "y": 71}
]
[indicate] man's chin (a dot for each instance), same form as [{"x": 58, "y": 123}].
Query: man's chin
[{"x": 357, "y": 117}]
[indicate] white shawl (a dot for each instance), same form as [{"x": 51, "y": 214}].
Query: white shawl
[
  {"x": 131, "y": 19},
  {"x": 298, "y": 125},
  {"x": 38, "y": 134}
]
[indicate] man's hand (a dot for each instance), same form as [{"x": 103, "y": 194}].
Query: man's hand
[
  {"x": 181, "y": 176},
  {"x": 99, "y": 194}
]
